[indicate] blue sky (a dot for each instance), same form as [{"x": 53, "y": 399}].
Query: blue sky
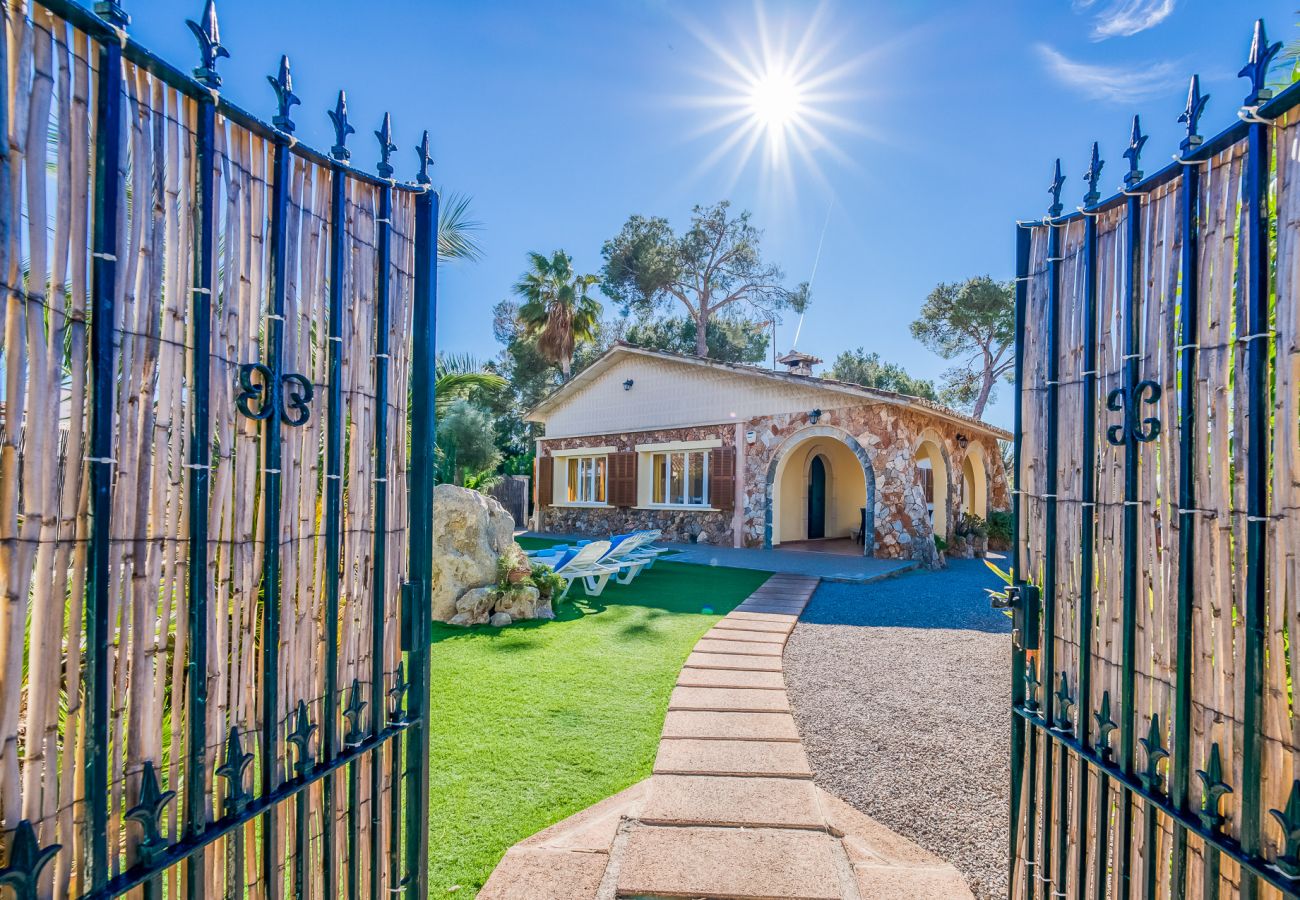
[{"x": 561, "y": 119}]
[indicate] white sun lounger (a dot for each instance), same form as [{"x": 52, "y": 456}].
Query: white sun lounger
[{"x": 583, "y": 563}]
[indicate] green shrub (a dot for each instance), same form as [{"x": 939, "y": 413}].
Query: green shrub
[
  {"x": 970, "y": 525},
  {"x": 939, "y": 543},
  {"x": 548, "y": 584},
  {"x": 999, "y": 529}
]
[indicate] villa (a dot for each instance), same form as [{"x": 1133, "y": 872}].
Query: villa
[{"x": 738, "y": 455}]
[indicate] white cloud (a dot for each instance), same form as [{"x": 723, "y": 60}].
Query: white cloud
[
  {"x": 1122, "y": 18},
  {"x": 1117, "y": 84}
]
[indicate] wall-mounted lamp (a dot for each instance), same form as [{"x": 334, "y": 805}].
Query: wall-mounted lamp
[
  {"x": 814, "y": 416},
  {"x": 962, "y": 440},
  {"x": 627, "y": 385}
]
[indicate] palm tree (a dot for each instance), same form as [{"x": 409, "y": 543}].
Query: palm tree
[
  {"x": 458, "y": 375},
  {"x": 456, "y": 230},
  {"x": 557, "y": 309}
]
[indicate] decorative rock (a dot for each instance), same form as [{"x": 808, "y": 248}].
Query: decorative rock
[
  {"x": 470, "y": 531},
  {"x": 522, "y": 602},
  {"x": 500, "y": 620},
  {"x": 476, "y": 605}
]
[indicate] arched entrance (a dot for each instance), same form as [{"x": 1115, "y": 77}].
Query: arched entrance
[
  {"x": 932, "y": 477},
  {"x": 820, "y": 486},
  {"x": 975, "y": 483}
]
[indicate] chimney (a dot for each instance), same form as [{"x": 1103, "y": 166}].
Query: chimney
[{"x": 797, "y": 363}]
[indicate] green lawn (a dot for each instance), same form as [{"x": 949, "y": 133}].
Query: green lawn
[{"x": 537, "y": 721}]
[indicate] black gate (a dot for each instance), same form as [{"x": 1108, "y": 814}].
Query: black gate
[
  {"x": 215, "y": 495},
  {"x": 1154, "y": 741}
]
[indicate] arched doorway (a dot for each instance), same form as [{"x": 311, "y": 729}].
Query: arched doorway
[
  {"x": 817, "y": 498},
  {"x": 932, "y": 479},
  {"x": 821, "y": 487},
  {"x": 975, "y": 483}
]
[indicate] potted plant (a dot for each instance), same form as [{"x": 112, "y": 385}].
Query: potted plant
[{"x": 975, "y": 531}]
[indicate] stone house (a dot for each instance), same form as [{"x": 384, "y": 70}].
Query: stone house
[{"x": 748, "y": 457}]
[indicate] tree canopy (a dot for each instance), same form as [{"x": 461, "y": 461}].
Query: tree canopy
[
  {"x": 729, "y": 339},
  {"x": 976, "y": 320},
  {"x": 557, "y": 308},
  {"x": 465, "y": 439},
  {"x": 869, "y": 370},
  {"x": 715, "y": 265}
]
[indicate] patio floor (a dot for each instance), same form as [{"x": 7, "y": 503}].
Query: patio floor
[{"x": 828, "y": 566}]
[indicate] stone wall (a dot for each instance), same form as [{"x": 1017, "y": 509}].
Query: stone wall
[
  {"x": 685, "y": 525},
  {"x": 887, "y": 437}
]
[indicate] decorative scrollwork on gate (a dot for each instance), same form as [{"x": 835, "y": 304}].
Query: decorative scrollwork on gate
[
  {"x": 259, "y": 399},
  {"x": 1141, "y": 430}
]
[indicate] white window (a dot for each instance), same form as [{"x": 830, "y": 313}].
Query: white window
[
  {"x": 680, "y": 478},
  {"x": 586, "y": 479}
]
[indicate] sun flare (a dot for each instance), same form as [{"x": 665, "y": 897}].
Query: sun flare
[{"x": 776, "y": 99}]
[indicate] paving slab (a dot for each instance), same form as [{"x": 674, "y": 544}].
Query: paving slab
[
  {"x": 893, "y": 883},
  {"x": 745, "y": 637},
  {"x": 750, "y": 648},
  {"x": 737, "y": 802},
  {"x": 746, "y": 615},
  {"x": 734, "y": 661},
  {"x": 755, "y": 758},
  {"x": 750, "y": 626},
  {"x": 728, "y": 699},
  {"x": 539, "y": 872},
  {"x": 735, "y": 678},
  {"x": 791, "y": 609},
  {"x": 735, "y": 726},
  {"x": 729, "y": 863}
]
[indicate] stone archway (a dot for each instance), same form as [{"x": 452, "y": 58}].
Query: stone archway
[
  {"x": 931, "y": 452},
  {"x": 779, "y": 473},
  {"x": 975, "y": 482}
]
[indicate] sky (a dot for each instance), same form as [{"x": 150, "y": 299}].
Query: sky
[{"x": 927, "y": 126}]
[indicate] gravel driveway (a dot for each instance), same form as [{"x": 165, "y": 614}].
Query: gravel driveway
[{"x": 901, "y": 690}]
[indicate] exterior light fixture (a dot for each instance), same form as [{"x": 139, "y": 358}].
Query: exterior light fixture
[
  {"x": 962, "y": 440},
  {"x": 627, "y": 385},
  {"x": 814, "y": 416}
]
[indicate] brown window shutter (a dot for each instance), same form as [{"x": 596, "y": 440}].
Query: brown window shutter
[
  {"x": 722, "y": 477},
  {"x": 545, "y": 480},
  {"x": 622, "y": 479}
]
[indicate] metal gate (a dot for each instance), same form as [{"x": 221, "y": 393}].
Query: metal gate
[
  {"x": 215, "y": 496},
  {"x": 1154, "y": 737}
]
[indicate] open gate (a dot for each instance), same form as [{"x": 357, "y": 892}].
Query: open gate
[
  {"x": 1154, "y": 742},
  {"x": 215, "y": 483}
]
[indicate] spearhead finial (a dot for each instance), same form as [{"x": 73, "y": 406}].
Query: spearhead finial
[
  {"x": 1092, "y": 176},
  {"x": 425, "y": 160},
  {"x": 1105, "y": 725},
  {"x": 1055, "y": 190},
  {"x": 339, "y": 116},
  {"x": 148, "y": 812},
  {"x": 282, "y": 84},
  {"x": 210, "y": 49},
  {"x": 352, "y": 712},
  {"x": 386, "y": 147},
  {"x": 1213, "y": 787},
  {"x": 397, "y": 693},
  {"x": 300, "y": 738},
  {"x": 232, "y": 769},
  {"x": 1191, "y": 116},
  {"x": 27, "y": 858},
  {"x": 1063, "y": 703},
  {"x": 1133, "y": 154},
  {"x": 1289, "y": 860},
  {"x": 1256, "y": 68},
  {"x": 1155, "y": 751}
]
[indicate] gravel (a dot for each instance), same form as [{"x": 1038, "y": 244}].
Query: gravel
[{"x": 901, "y": 690}]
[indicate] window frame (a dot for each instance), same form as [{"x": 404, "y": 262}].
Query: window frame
[
  {"x": 592, "y": 479},
  {"x": 661, "y": 476}
]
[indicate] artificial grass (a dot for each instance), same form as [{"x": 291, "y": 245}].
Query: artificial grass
[{"x": 534, "y": 722}]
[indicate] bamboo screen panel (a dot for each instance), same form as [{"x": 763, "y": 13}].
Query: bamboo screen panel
[
  {"x": 45, "y": 455},
  {"x": 1219, "y": 419}
]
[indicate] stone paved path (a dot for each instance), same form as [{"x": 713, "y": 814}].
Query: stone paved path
[{"x": 731, "y": 811}]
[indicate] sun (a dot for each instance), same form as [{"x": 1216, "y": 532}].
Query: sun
[
  {"x": 776, "y": 99},
  {"x": 775, "y": 89}
]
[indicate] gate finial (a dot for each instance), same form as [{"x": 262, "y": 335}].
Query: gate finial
[
  {"x": 1155, "y": 750},
  {"x": 1213, "y": 787},
  {"x": 425, "y": 160},
  {"x": 282, "y": 84},
  {"x": 210, "y": 49},
  {"x": 1105, "y": 725},
  {"x": 1289, "y": 859},
  {"x": 352, "y": 712},
  {"x": 386, "y": 147},
  {"x": 1134, "y": 153},
  {"x": 26, "y": 860},
  {"x": 397, "y": 692},
  {"x": 1191, "y": 116},
  {"x": 1063, "y": 703},
  {"x": 339, "y": 116},
  {"x": 1092, "y": 176},
  {"x": 148, "y": 812},
  {"x": 232, "y": 769},
  {"x": 1055, "y": 190},
  {"x": 1256, "y": 68},
  {"x": 300, "y": 738}
]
